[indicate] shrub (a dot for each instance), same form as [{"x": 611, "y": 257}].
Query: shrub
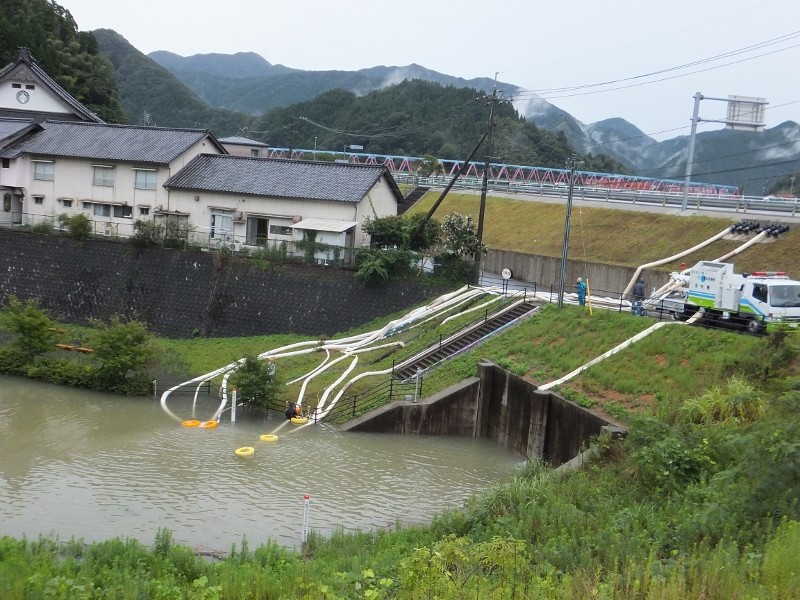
[
  {"x": 146, "y": 233},
  {"x": 79, "y": 226}
]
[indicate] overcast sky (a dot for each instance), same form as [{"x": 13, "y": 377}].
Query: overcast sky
[{"x": 532, "y": 44}]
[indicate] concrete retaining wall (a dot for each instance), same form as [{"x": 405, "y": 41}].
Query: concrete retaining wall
[
  {"x": 545, "y": 272},
  {"x": 181, "y": 293},
  {"x": 498, "y": 405}
]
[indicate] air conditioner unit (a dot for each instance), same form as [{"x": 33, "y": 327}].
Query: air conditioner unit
[
  {"x": 238, "y": 217},
  {"x": 297, "y": 219},
  {"x": 107, "y": 230},
  {"x": 160, "y": 207}
]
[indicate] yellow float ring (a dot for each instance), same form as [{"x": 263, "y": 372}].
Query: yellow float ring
[
  {"x": 191, "y": 423},
  {"x": 209, "y": 424},
  {"x": 269, "y": 437},
  {"x": 299, "y": 420},
  {"x": 245, "y": 451}
]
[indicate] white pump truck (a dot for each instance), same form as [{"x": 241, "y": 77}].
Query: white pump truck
[{"x": 758, "y": 301}]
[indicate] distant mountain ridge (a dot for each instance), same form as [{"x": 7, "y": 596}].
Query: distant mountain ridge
[{"x": 247, "y": 83}]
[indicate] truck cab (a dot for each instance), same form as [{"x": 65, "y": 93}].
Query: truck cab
[{"x": 759, "y": 300}]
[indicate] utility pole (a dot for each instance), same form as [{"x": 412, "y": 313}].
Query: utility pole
[
  {"x": 690, "y": 150},
  {"x": 485, "y": 181},
  {"x": 565, "y": 248}
]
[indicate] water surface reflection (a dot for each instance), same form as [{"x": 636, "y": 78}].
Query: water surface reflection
[{"x": 93, "y": 466}]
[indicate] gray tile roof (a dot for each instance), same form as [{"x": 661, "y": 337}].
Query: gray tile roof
[
  {"x": 123, "y": 143},
  {"x": 277, "y": 178},
  {"x": 242, "y": 141},
  {"x": 9, "y": 127}
]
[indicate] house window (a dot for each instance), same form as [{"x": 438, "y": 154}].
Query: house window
[
  {"x": 125, "y": 212},
  {"x": 30, "y": 86},
  {"x": 144, "y": 211},
  {"x": 222, "y": 226},
  {"x": 254, "y": 152},
  {"x": 7, "y": 202},
  {"x": 38, "y": 199},
  {"x": 103, "y": 176},
  {"x": 144, "y": 179},
  {"x": 67, "y": 203},
  {"x": 280, "y": 230},
  {"x": 43, "y": 170},
  {"x": 257, "y": 228},
  {"x": 16, "y": 86},
  {"x": 98, "y": 210},
  {"x": 6, "y": 163}
]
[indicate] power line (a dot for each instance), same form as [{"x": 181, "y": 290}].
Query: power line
[{"x": 766, "y": 43}]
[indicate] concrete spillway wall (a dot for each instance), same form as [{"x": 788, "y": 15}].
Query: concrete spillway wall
[{"x": 499, "y": 405}]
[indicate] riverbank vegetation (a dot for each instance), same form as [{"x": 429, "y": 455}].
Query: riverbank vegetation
[
  {"x": 111, "y": 357},
  {"x": 700, "y": 500}
]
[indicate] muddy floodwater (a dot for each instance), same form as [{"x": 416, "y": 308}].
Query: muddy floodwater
[{"x": 78, "y": 464}]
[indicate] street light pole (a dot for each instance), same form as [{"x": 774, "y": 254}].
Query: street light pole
[{"x": 565, "y": 248}]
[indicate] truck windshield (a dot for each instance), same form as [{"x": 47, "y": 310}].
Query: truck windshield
[{"x": 784, "y": 295}]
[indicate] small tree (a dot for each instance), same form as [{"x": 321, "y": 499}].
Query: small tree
[
  {"x": 256, "y": 382},
  {"x": 460, "y": 236},
  {"x": 394, "y": 232},
  {"x": 124, "y": 349},
  {"x": 79, "y": 226},
  {"x": 146, "y": 233},
  {"x": 429, "y": 166},
  {"x": 35, "y": 330}
]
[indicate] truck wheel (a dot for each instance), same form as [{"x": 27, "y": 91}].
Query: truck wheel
[{"x": 754, "y": 326}]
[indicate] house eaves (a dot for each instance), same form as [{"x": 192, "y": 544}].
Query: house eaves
[
  {"x": 278, "y": 178},
  {"x": 13, "y": 130},
  {"x": 117, "y": 143},
  {"x": 24, "y": 60}
]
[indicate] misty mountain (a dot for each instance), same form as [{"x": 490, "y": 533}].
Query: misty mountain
[
  {"x": 752, "y": 161},
  {"x": 247, "y": 84}
]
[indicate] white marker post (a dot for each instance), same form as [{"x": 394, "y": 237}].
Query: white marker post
[
  {"x": 233, "y": 406},
  {"x": 304, "y": 535}
]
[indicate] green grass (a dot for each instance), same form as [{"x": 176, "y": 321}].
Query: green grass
[{"x": 613, "y": 236}]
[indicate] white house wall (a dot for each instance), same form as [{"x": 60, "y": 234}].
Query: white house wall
[
  {"x": 40, "y": 98},
  {"x": 282, "y": 211},
  {"x": 73, "y": 179}
]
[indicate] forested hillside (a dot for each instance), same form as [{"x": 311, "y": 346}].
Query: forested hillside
[
  {"x": 152, "y": 96},
  {"x": 69, "y": 56},
  {"x": 417, "y": 118}
]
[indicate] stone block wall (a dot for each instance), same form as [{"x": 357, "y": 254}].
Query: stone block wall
[{"x": 182, "y": 293}]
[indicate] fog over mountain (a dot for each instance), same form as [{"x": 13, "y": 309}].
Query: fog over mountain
[{"x": 248, "y": 83}]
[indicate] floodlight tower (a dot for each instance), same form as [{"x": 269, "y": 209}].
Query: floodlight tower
[{"x": 744, "y": 112}]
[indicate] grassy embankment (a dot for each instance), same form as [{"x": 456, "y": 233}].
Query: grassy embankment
[{"x": 613, "y": 236}]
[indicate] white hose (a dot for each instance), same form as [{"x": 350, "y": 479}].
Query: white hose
[{"x": 663, "y": 261}]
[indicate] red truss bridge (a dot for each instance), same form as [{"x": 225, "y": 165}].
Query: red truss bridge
[{"x": 514, "y": 175}]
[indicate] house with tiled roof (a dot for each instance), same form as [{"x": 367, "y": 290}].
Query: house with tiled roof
[
  {"x": 241, "y": 146},
  {"x": 58, "y": 158},
  {"x": 113, "y": 173},
  {"x": 263, "y": 201}
]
